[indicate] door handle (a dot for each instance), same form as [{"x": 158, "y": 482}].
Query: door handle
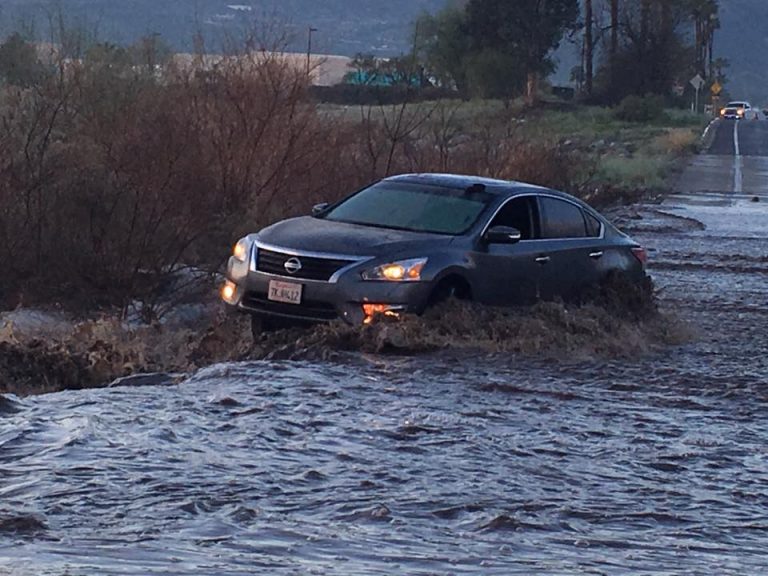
[
  {"x": 596, "y": 255},
  {"x": 542, "y": 260}
]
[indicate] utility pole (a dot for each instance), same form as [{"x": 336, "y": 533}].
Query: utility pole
[{"x": 310, "y": 30}]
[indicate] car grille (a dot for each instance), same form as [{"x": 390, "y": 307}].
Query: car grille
[
  {"x": 312, "y": 268},
  {"x": 307, "y": 310}
]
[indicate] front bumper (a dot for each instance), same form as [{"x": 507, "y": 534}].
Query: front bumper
[{"x": 322, "y": 301}]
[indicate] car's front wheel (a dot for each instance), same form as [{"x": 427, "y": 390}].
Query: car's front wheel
[{"x": 451, "y": 287}]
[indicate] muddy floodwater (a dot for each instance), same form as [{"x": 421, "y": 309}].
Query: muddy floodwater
[{"x": 653, "y": 464}]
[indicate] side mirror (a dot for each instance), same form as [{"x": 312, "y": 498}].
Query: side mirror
[
  {"x": 502, "y": 235},
  {"x": 319, "y": 208}
]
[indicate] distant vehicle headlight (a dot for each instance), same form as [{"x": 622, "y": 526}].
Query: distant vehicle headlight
[
  {"x": 722, "y": 112},
  {"x": 740, "y": 111},
  {"x": 398, "y": 271},
  {"x": 240, "y": 251}
]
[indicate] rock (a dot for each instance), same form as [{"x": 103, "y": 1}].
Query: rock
[
  {"x": 7, "y": 332},
  {"x": 26, "y": 525},
  {"x": 26, "y": 323},
  {"x": 150, "y": 379},
  {"x": 7, "y": 406},
  {"x": 380, "y": 512}
]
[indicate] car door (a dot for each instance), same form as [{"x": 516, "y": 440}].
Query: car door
[
  {"x": 570, "y": 250},
  {"x": 507, "y": 274}
]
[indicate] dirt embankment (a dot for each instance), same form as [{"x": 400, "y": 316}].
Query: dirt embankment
[{"x": 617, "y": 321}]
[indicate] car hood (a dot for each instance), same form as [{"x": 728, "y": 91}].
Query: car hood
[{"x": 309, "y": 234}]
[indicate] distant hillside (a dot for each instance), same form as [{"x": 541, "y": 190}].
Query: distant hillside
[
  {"x": 343, "y": 26},
  {"x": 349, "y": 26},
  {"x": 743, "y": 40}
]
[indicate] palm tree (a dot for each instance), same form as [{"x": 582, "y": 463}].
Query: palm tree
[{"x": 614, "y": 28}]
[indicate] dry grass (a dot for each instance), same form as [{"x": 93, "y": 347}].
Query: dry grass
[{"x": 677, "y": 141}]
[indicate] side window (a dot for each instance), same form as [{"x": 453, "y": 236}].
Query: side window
[
  {"x": 593, "y": 225},
  {"x": 561, "y": 219},
  {"x": 519, "y": 213}
]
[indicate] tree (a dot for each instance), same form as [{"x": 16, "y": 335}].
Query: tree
[
  {"x": 589, "y": 47},
  {"x": 526, "y": 32},
  {"x": 494, "y": 48},
  {"x": 493, "y": 74},
  {"x": 614, "y": 28},
  {"x": 108, "y": 57},
  {"x": 150, "y": 53},
  {"x": 650, "y": 47},
  {"x": 443, "y": 45},
  {"x": 364, "y": 70},
  {"x": 19, "y": 64},
  {"x": 705, "y": 22}
]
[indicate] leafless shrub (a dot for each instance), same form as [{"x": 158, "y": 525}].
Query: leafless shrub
[{"x": 114, "y": 177}]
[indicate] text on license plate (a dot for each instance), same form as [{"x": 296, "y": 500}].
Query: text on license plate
[{"x": 284, "y": 292}]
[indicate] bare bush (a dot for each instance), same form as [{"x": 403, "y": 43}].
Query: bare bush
[{"x": 116, "y": 175}]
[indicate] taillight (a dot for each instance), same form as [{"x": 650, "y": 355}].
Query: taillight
[{"x": 640, "y": 254}]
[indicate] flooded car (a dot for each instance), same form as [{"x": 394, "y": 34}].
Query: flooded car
[{"x": 408, "y": 241}]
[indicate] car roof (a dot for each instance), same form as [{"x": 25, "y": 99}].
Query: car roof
[
  {"x": 735, "y": 103},
  {"x": 493, "y": 185}
]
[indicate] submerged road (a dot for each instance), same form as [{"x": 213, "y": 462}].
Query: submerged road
[
  {"x": 655, "y": 464},
  {"x": 709, "y": 242}
]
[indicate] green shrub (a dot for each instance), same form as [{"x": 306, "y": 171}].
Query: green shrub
[{"x": 635, "y": 108}]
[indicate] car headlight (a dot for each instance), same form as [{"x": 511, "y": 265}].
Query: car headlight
[
  {"x": 240, "y": 251},
  {"x": 398, "y": 271}
]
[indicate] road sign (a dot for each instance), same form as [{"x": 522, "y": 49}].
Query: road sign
[
  {"x": 697, "y": 82},
  {"x": 716, "y": 88}
]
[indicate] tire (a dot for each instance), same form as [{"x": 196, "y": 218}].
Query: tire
[{"x": 449, "y": 288}]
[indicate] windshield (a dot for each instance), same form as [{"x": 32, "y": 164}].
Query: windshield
[{"x": 414, "y": 207}]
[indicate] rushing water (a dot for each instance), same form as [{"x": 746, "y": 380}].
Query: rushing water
[{"x": 432, "y": 464}]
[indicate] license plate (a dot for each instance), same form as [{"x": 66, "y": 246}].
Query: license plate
[{"x": 287, "y": 292}]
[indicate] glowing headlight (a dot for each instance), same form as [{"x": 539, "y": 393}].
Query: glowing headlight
[
  {"x": 240, "y": 252},
  {"x": 228, "y": 292},
  {"x": 399, "y": 271}
]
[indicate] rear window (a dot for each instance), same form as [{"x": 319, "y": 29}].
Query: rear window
[
  {"x": 561, "y": 219},
  {"x": 593, "y": 225}
]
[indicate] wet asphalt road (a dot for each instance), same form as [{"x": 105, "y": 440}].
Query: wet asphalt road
[
  {"x": 752, "y": 137},
  {"x": 735, "y": 163},
  {"x": 650, "y": 465}
]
